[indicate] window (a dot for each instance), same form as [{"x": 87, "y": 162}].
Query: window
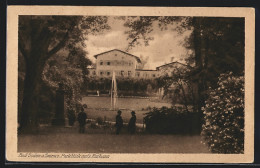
[
  {"x": 108, "y": 63},
  {"x": 122, "y": 73},
  {"x": 154, "y": 75},
  {"x": 137, "y": 74},
  {"x": 94, "y": 72},
  {"x": 101, "y": 62},
  {"x": 129, "y": 73},
  {"x": 101, "y": 73},
  {"x": 130, "y": 63},
  {"x": 108, "y": 73}
]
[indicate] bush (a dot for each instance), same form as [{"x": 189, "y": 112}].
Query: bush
[
  {"x": 99, "y": 121},
  {"x": 173, "y": 120},
  {"x": 223, "y": 129},
  {"x": 126, "y": 86},
  {"x": 93, "y": 125}
]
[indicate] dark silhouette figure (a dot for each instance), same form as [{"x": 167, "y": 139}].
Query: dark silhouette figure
[
  {"x": 82, "y": 116},
  {"x": 131, "y": 124},
  {"x": 119, "y": 122}
]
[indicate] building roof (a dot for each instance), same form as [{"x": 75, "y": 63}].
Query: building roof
[
  {"x": 176, "y": 62},
  {"x": 137, "y": 58},
  {"x": 145, "y": 70}
]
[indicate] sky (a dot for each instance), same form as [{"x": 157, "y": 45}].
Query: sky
[{"x": 166, "y": 44}]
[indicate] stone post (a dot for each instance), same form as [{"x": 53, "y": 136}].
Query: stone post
[{"x": 59, "y": 119}]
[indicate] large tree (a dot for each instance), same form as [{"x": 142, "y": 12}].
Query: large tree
[
  {"x": 217, "y": 45},
  {"x": 40, "y": 38}
]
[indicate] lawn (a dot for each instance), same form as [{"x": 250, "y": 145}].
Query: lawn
[
  {"x": 124, "y": 103},
  {"x": 110, "y": 115},
  {"x": 100, "y": 107}
]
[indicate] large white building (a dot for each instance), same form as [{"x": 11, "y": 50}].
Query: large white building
[
  {"x": 126, "y": 65},
  {"x": 122, "y": 63}
]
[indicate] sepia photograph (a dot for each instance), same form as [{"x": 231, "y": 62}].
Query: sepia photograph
[{"x": 94, "y": 86}]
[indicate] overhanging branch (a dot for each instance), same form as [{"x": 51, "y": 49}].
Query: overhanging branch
[
  {"x": 61, "y": 44},
  {"x": 58, "y": 46}
]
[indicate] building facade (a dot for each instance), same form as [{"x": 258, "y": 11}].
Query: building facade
[
  {"x": 167, "y": 69},
  {"x": 124, "y": 65}
]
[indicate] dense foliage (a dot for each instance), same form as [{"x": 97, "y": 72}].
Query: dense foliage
[
  {"x": 179, "y": 86},
  {"x": 216, "y": 45},
  {"x": 125, "y": 86},
  {"x": 40, "y": 39},
  {"x": 223, "y": 129},
  {"x": 175, "y": 120},
  {"x": 60, "y": 69},
  {"x": 68, "y": 69}
]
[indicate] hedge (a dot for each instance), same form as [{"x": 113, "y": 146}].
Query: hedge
[{"x": 172, "y": 120}]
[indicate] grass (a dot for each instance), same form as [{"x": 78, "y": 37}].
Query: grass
[
  {"x": 123, "y": 103},
  {"x": 100, "y": 107},
  {"x": 109, "y": 115}
]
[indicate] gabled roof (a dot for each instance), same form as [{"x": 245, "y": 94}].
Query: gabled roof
[
  {"x": 137, "y": 58},
  {"x": 145, "y": 70},
  {"x": 176, "y": 62}
]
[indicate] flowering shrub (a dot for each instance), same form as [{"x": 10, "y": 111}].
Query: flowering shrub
[{"x": 223, "y": 129}]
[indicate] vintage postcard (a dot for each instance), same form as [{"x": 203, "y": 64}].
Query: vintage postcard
[{"x": 130, "y": 84}]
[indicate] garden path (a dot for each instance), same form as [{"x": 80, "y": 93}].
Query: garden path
[{"x": 69, "y": 140}]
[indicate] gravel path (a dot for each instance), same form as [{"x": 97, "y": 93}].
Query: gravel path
[{"x": 72, "y": 142}]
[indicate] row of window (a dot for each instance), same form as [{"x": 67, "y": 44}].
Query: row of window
[
  {"x": 108, "y": 73},
  {"x": 122, "y": 73},
  {"x": 116, "y": 62}
]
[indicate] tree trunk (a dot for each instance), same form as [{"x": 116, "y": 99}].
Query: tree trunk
[
  {"x": 198, "y": 48},
  {"x": 29, "y": 113},
  {"x": 34, "y": 44}
]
